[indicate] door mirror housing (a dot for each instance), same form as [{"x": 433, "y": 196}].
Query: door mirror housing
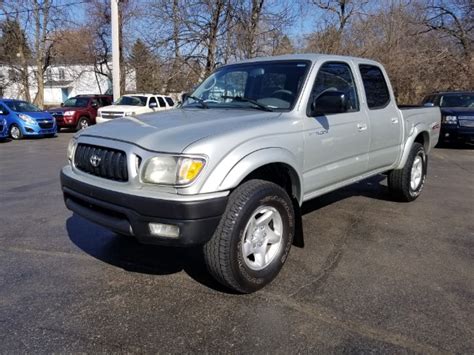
[
  {"x": 94, "y": 105},
  {"x": 428, "y": 104},
  {"x": 153, "y": 105},
  {"x": 329, "y": 102}
]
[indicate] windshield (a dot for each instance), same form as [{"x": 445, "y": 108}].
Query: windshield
[
  {"x": 273, "y": 85},
  {"x": 76, "y": 102},
  {"x": 22, "y": 106},
  {"x": 457, "y": 100},
  {"x": 131, "y": 101}
]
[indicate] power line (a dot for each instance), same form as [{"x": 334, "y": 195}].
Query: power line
[{"x": 42, "y": 8}]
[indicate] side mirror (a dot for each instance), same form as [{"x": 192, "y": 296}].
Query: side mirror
[
  {"x": 184, "y": 96},
  {"x": 94, "y": 105},
  {"x": 153, "y": 105},
  {"x": 428, "y": 104},
  {"x": 329, "y": 102},
  {"x": 62, "y": 104}
]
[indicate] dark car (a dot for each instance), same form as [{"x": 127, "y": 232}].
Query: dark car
[
  {"x": 80, "y": 111},
  {"x": 457, "y": 111}
]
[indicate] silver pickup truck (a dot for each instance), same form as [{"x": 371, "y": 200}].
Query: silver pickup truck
[{"x": 254, "y": 141}]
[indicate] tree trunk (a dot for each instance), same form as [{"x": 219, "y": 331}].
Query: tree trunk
[{"x": 212, "y": 37}]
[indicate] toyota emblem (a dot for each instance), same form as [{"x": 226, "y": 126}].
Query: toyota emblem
[{"x": 95, "y": 160}]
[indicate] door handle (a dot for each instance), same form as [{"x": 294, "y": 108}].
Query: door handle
[
  {"x": 361, "y": 127},
  {"x": 394, "y": 120}
]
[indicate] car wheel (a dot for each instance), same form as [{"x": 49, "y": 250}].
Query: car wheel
[
  {"x": 253, "y": 238},
  {"x": 83, "y": 123},
  {"x": 406, "y": 184},
  {"x": 15, "y": 132}
]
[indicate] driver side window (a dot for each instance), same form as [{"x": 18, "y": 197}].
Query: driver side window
[{"x": 335, "y": 76}]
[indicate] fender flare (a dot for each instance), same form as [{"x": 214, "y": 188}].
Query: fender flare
[
  {"x": 415, "y": 131},
  {"x": 259, "y": 158}
]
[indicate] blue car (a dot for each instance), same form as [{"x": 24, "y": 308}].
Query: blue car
[{"x": 24, "y": 119}]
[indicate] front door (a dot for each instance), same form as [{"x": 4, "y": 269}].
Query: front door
[{"x": 336, "y": 145}]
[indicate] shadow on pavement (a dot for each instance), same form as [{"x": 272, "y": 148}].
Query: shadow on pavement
[{"x": 125, "y": 252}]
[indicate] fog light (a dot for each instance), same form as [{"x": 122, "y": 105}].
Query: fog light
[
  {"x": 164, "y": 230},
  {"x": 446, "y": 135}
]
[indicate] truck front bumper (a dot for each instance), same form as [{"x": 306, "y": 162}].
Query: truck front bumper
[
  {"x": 132, "y": 215},
  {"x": 455, "y": 133}
]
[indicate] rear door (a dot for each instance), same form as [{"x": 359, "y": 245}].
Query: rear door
[
  {"x": 384, "y": 118},
  {"x": 336, "y": 145}
]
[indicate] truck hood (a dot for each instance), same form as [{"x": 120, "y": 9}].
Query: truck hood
[
  {"x": 121, "y": 108},
  {"x": 172, "y": 131},
  {"x": 458, "y": 111}
]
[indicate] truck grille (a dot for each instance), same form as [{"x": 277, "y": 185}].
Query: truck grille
[
  {"x": 110, "y": 115},
  {"x": 104, "y": 162},
  {"x": 46, "y": 124},
  {"x": 466, "y": 121}
]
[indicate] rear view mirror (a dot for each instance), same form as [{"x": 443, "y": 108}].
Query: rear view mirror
[{"x": 329, "y": 102}]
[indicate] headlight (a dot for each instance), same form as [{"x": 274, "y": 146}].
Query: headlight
[
  {"x": 129, "y": 114},
  {"x": 172, "y": 170},
  {"x": 71, "y": 147},
  {"x": 26, "y": 118},
  {"x": 69, "y": 113},
  {"x": 450, "y": 119}
]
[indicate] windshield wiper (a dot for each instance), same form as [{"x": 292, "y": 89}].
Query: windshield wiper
[
  {"x": 201, "y": 101},
  {"x": 246, "y": 99}
]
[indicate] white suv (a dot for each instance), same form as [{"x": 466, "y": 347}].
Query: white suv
[{"x": 134, "y": 105}]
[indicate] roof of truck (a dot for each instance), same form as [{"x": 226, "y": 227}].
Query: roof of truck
[{"x": 308, "y": 56}]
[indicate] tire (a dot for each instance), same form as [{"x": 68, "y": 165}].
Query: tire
[
  {"x": 15, "y": 132},
  {"x": 83, "y": 123},
  {"x": 239, "y": 230},
  {"x": 407, "y": 183}
]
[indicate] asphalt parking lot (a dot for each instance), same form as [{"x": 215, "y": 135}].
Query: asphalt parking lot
[{"x": 373, "y": 275}]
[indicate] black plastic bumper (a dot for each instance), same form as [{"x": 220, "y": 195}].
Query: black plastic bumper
[
  {"x": 453, "y": 133},
  {"x": 130, "y": 214}
]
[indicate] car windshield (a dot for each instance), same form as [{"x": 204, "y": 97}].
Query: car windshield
[
  {"x": 22, "y": 106},
  {"x": 131, "y": 101},
  {"x": 76, "y": 102},
  {"x": 272, "y": 86},
  {"x": 457, "y": 100}
]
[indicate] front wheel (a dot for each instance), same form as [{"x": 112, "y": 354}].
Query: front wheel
[
  {"x": 254, "y": 237},
  {"x": 15, "y": 132},
  {"x": 406, "y": 184}
]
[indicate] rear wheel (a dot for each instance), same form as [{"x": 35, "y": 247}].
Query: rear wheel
[
  {"x": 82, "y": 123},
  {"x": 406, "y": 184},
  {"x": 253, "y": 238},
  {"x": 15, "y": 132}
]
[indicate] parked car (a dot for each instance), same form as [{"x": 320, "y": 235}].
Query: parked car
[
  {"x": 457, "y": 114},
  {"x": 230, "y": 167},
  {"x": 25, "y": 119},
  {"x": 134, "y": 105},
  {"x": 3, "y": 128},
  {"x": 80, "y": 111}
]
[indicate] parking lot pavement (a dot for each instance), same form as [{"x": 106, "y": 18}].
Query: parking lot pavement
[{"x": 374, "y": 275}]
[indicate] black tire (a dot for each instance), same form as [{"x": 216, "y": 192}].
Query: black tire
[
  {"x": 17, "y": 134},
  {"x": 399, "y": 181},
  {"x": 82, "y": 123},
  {"x": 223, "y": 253}
]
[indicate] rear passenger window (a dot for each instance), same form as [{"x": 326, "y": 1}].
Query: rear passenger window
[
  {"x": 170, "y": 101},
  {"x": 161, "y": 101},
  {"x": 376, "y": 90},
  {"x": 335, "y": 76}
]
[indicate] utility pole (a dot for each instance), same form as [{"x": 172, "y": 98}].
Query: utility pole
[{"x": 115, "y": 49}]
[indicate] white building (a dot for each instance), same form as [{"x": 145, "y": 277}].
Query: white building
[{"x": 61, "y": 82}]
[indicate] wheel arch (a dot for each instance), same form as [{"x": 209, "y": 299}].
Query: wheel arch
[
  {"x": 272, "y": 164},
  {"x": 420, "y": 135}
]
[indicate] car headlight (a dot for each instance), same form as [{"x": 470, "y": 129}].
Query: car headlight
[
  {"x": 450, "y": 119},
  {"x": 172, "y": 170},
  {"x": 71, "y": 147},
  {"x": 26, "y": 118},
  {"x": 69, "y": 113},
  {"x": 129, "y": 114}
]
